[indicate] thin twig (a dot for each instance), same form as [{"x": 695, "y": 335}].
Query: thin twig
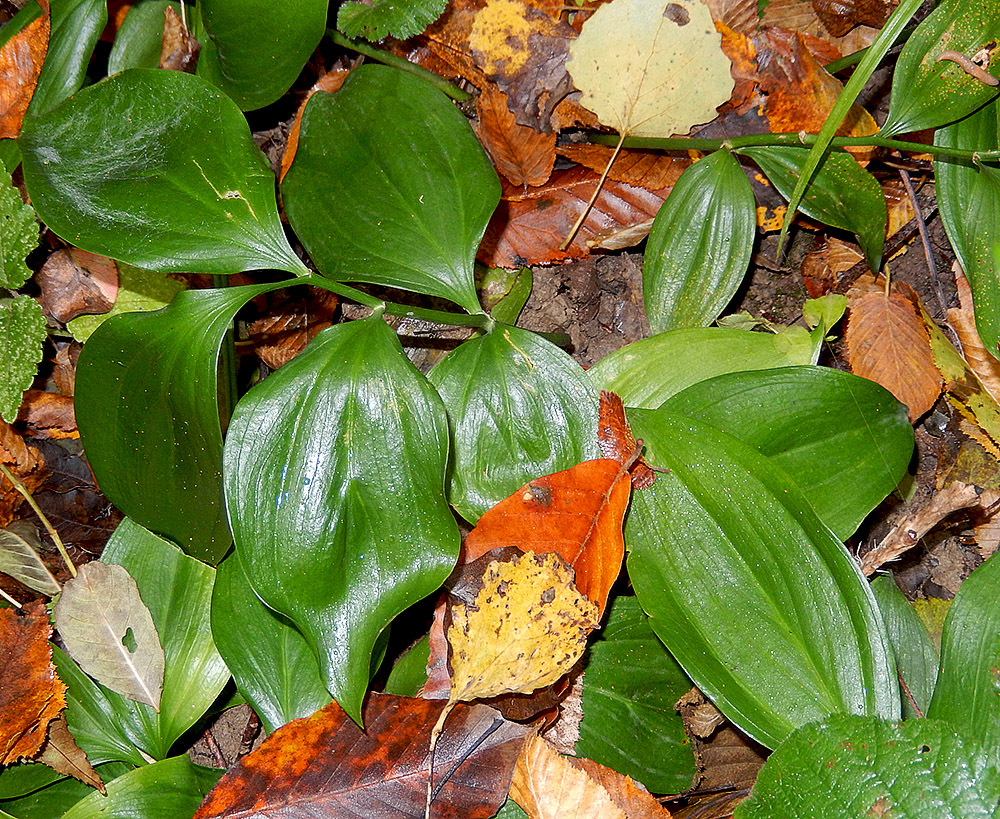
[
  {"x": 593, "y": 198},
  {"x": 909, "y": 695},
  {"x": 20, "y": 487},
  {"x": 924, "y": 238}
]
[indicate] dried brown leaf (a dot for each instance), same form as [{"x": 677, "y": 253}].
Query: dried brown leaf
[
  {"x": 26, "y": 462},
  {"x": 519, "y": 152},
  {"x": 74, "y": 282},
  {"x": 48, "y": 415},
  {"x": 178, "y": 50},
  {"x": 61, "y": 753},
  {"x": 801, "y": 16},
  {"x": 290, "y": 325},
  {"x": 21, "y": 61},
  {"x": 963, "y": 322},
  {"x": 841, "y": 16},
  {"x": 738, "y": 15},
  {"x": 330, "y": 82},
  {"x": 645, "y": 169}
]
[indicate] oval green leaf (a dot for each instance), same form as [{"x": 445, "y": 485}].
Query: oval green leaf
[
  {"x": 390, "y": 186},
  {"x": 175, "y": 185},
  {"x": 519, "y": 407},
  {"x": 334, "y": 471},
  {"x": 762, "y": 606},
  {"x": 699, "y": 246},
  {"x": 139, "y": 39}
]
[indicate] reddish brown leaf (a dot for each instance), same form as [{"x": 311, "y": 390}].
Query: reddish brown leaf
[
  {"x": 74, "y": 282},
  {"x": 178, "y": 50},
  {"x": 520, "y": 153},
  {"x": 325, "y": 765},
  {"x": 284, "y": 332},
  {"x": 25, "y": 462},
  {"x": 330, "y": 82},
  {"x": 739, "y": 15},
  {"x": 800, "y": 16},
  {"x": 61, "y": 753},
  {"x": 616, "y": 441},
  {"x": 21, "y": 61},
  {"x": 48, "y": 414},
  {"x": 963, "y": 321},
  {"x": 31, "y": 695},
  {"x": 840, "y": 16},
  {"x": 644, "y": 169}
]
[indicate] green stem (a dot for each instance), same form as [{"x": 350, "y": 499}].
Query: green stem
[
  {"x": 856, "y": 57},
  {"x": 368, "y": 50},
  {"x": 20, "y": 487}
]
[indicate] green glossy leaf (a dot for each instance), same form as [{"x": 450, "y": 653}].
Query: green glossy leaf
[
  {"x": 519, "y": 407},
  {"x": 409, "y": 673},
  {"x": 177, "y": 184},
  {"x": 844, "y": 440},
  {"x": 852, "y": 767},
  {"x": 385, "y": 18},
  {"x": 842, "y": 194},
  {"x": 147, "y": 408},
  {"x": 26, "y": 14},
  {"x": 334, "y": 472},
  {"x": 272, "y": 664},
  {"x": 505, "y": 292},
  {"x": 759, "y": 602},
  {"x": 916, "y": 659},
  {"x": 10, "y": 154},
  {"x": 140, "y": 37},
  {"x": 390, "y": 186},
  {"x": 76, "y": 25},
  {"x": 927, "y": 91},
  {"x": 646, "y": 373},
  {"x": 511, "y": 810},
  {"x": 28, "y": 792},
  {"x": 256, "y": 49},
  {"x": 700, "y": 244},
  {"x": 18, "y": 234},
  {"x": 969, "y": 201},
  {"x": 22, "y": 331},
  {"x": 968, "y": 686},
  {"x": 630, "y": 685}
]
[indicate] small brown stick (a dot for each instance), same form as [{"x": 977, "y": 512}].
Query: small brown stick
[
  {"x": 924, "y": 239},
  {"x": 969, "y": 67},
  {"x": 909, "y": 696}
]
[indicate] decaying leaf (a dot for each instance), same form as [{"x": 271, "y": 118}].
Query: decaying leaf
[
  {"x": 178, "y": 50},
  {"x": 61, "y": 753},
  {"x": 522, "y": 154},
  {"x": 48, "y": 415},
  {"x": 109, "y": 632},
  {"x": 330, "y": 82},
  {"x": 21, "y": 61},
  {"x": 802, "y": 17},
  {"x": 646, "y": 169},
  {"x": 290, "y": 324},
  {"x": 985, "y": 365},
  {"x": 74, "y": 282},
  {"x": 19, "y": 558},
  {"x": 615, "y": 438},
  {"x": 31, "y": 695},
  {"x": 26, "y": 462}
]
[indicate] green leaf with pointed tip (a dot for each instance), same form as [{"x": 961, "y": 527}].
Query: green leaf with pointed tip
[
  {"x": 842, "y": 194},
  {"x": 630, "y": 685},
  {"x": 390, "y": 186},
  {"x": 844, "y": 440},
  {"x": 31, "y": 790},
  {"x": 409, "y": 673},
  {"x": 334, "y": 472},
  {"x": 700, "y": 244},
  {"x": 928, "y": 92},
  {"x": 759, "y": 602},
  {"x": 272, "y": 664},
  {"x": 22, "y": 331},
  {"x": 519, "y": 407},
  {"x": 177, "y": 184},
  {"x": 385, "y": 18},
  {"x": 969, "y": 200},
  {"x": 148, "y": 412},
  {"x": 18, "y": 234},
  {"x": 256, "y": 49},
  {"x": 139, "y": 38},
  {"x": 967, "y": 693},
  {"x": 851, "y": 767}
]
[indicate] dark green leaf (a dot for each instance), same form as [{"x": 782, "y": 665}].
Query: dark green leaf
[
  {"x": 511, "y": 810},
  {"x": 10, "y": 154},
  {"x": 177, "y": 184},
  {"x": 35, "y": 791},
  {"x": 762, "y": 606},
  {"x": 844, "y": 440},
  {"x": 26, "y": 14},
  {"x": 968, "y": 681},
  {"x": 140, "y": 37},
  {"x": 630, "y": 685},
  {"x": 852, "y": 767},
  {"x": 386, "y": 17},
  {"x": 272, "y": 664},
  {"x": 410, "y": 671},
  {"x": 256, "y": 49},
  {"x": 147, "y": 407},
  {"x": 928, "y": 91},
  {"x": 390, "y": 186},
  {"x": 841, "y": 194},
  {"x": 969, "y": 199},
  {"x": 18, "y": 234},
  {"x": 519, "y": 407},
  {"x": 22, "y": 331},
  {"x": 700, "y": 245},
  {"x": 334, "y": 473}
]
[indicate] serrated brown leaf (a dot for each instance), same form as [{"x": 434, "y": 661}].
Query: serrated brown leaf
[
  {"x": 31, "y": 695},
  {"x": 74, "y": 282},
  {"x": 61, "y": 753},
  {"x": 522, "y": 154},
  {"x": 616, "y": 441},
  {"x": 21, "y": 61},
  {"x": 325, "y": 765}
]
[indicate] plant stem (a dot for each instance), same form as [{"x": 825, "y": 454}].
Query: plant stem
[
  {"x": 20, "y": 487},
  {"x": 369, "y": 50},
  {"x": 853, "y": 59}
]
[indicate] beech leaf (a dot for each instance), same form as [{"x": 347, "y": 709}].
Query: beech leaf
[{"x": 110, "y": 633}]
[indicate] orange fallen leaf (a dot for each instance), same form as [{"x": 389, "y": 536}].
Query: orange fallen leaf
[
  {"x": 21, "y": 61},
  {"x": 330, "y": 82},
  {"x": 289, "y": 325},
  {"x": 963, "y": 321},
  {"x": 616, "y": 441},
  {"x": 645, "y": 169},
  {"x": 519, "y": 152},
  {"x": 48, "y": 415}
]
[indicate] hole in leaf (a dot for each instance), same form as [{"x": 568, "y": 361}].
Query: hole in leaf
[
  {"x": 923, "y": 749},
  {"x": 129, "y": 641}
]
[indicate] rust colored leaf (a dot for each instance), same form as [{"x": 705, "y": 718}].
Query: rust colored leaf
[
  {"x": 31, "y": 695},
  {"x": 840, "y": 16},
  {"x": 325, "y": 765},
  {"x": 21, "y": 61},
  {"x": 330, "y": 82},
  {"x": 528, "y": 227},
  {"x": 61, "y": 753},
  {"x": 644, "y": 169},
  {"x": 963, "y": 322},
  {"x": 74, "y": 282},
  {"x": 616, "y": 441},
  {"x": 288, "y": 326},
  {"x": 179, "y": 50},
  {"x": 519, "y": 152},
  {"x": 799, "y": 16},
  {"x": 26, "y": 462},
  {"x": 888, "y": 343},
  {"x": 48, "y": 415},
  {"x": 823, "y": 265},
  {"x": 739, "y": 15}
]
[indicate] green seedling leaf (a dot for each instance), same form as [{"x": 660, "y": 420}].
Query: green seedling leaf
[
  {"x": 19, "y": 558},
  {"x": 390, "y": 186},
  {"x": 274, "y": 668},
  {"x": 848, "y": 767},
  {"x": 969, "y": 200},
  {"x": 177, "y": 184},
  {"x": 928, "y": 88},
  {"x": 844, "y": 440},
  {"x": 22, "y": 331},
  {"x": 651, "y": 69},
  {"x": 108, "y": 631},
  {"x": 969, "y": 681},
  {"x": 148, "y": 412},
  {"x": 630, "y": 685},
  {"x": 334, "y": 472},
  {"x": 916, "y": 658},
  {"x": 700, "y": 245},
  {"x": 842, "y": 194},
  {"x": 759, "y": 602},
  {"x": 409, "y": 673},
  {"x": 18, "y": 235},
  {"x": 519, "y": 407},
  {"x": 139, "y": 39},
  {"x": 384, "y": 18},
  {"x": 256, "y": 49}
]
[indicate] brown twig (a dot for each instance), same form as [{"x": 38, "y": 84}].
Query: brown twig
[{"x": 924, "y": 238}]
